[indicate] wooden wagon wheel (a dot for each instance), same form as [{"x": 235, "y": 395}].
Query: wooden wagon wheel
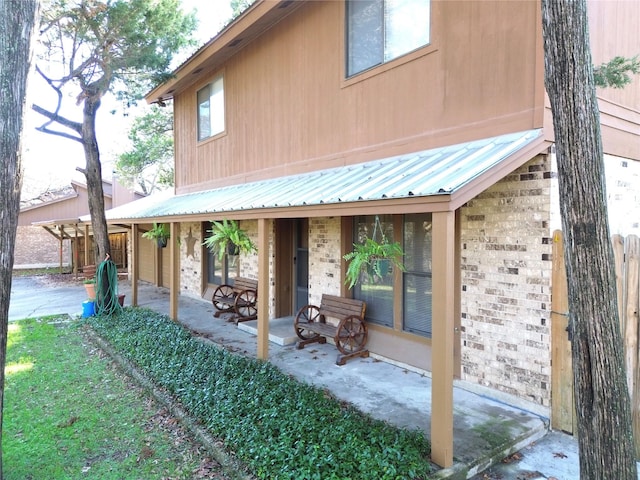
[
  {"x": 221, "y": 293},
  {"x": 307, "y": 314},
  {"x": 351, "y": 335},
  {"x": 245, "y": 304}
]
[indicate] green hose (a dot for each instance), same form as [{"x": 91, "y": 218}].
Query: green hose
[{"x": 107, "y": 288}]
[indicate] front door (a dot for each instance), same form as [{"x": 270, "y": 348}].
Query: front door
[{"x": 292, "y": 266}]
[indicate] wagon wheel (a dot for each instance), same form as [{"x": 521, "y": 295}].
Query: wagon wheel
[
  {"x": 245, "y": 304},
  {"x": 222, "y": 292},
  {"x": 352, "y": 335},
  {"x": 307, "y": 314}
]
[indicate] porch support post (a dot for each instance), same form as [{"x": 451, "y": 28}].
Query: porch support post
[
  {"x": 174, "y": 270},
  {"x": 263, "y": 289},
  {"x": 74, "y": 252},
  {"x": 133, "y": 263},
  {"x": 443, "y": 251},
  {"x": 61, "y": 245},
  {"x": 86, "y": 244}
]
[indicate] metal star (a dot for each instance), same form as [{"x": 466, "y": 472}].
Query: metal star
[{"x": 191, "y": 242}]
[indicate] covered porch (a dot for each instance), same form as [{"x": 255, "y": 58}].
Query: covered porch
[{"x": 437, "y": 181}]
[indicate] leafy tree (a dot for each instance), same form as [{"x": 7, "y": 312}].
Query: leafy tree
[
  {"x": 616, "y": 72},
  {"x": 149, "y": 163},
  {"x": 601, "y": 396},
  {"x": 18, "y": 20},
  {"x": 93, "y": 47},
  {"x": 239, "y": 6}
]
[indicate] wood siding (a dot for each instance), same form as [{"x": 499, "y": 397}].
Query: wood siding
[
  {"x": 165, "y": 266},
  {"x": 615, "y": 30},
  {"x": 289, "y": 108},
  {"x": 146, "y": 259}
]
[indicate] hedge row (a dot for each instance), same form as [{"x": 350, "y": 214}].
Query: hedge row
[{"x": 279, "y": 427}]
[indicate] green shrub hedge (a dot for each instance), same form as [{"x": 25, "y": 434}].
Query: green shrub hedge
[{"x": 279, "y": 427}]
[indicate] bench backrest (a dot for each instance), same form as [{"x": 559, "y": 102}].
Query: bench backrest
[
  {"x": 340, "y": 307},
  {"x": 241, "y": 283}
]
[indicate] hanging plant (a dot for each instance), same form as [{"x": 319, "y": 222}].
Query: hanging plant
[
  {"x": 159, "y": 233},
  {"x": 227, "y": 237},
  {"x": 372, "y": 258}
]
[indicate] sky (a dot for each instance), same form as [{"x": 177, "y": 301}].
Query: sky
[{"x": 50, "y": 162}]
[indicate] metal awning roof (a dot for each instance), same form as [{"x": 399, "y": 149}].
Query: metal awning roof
[{"x": 420, "y": 175}]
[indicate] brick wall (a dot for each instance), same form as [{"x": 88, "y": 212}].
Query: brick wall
[
  {"x": 506, "y": 298},
  {"x": 36, "y": 248},
  {"x": 324, "y": 257},
  {"x": 249, "y": 262},
  {"x": 191, "y": 262}
]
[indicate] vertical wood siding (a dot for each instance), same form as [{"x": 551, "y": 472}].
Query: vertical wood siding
[{"x": 289, "y": 108}]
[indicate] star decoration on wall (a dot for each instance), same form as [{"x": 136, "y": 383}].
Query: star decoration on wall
[{"x": 191, "y": 242}]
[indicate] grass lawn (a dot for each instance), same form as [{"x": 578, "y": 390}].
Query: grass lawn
[{"x": 69, "y": 414}]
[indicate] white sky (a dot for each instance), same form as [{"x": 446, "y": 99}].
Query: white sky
[{"x": 50, "y": 161}]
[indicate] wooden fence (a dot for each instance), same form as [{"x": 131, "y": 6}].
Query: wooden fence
[{"x": 627, "y": 267}]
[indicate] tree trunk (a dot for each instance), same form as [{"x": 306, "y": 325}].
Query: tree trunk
[
  {"x": 601, "y": 396},
  {"x": 17, "y": 25},
  {"x": 93, "y": 173}
]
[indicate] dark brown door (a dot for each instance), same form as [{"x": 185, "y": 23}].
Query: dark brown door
[
  {"x": 284, "y": 267},
  {"x": 292, "y": 265}
]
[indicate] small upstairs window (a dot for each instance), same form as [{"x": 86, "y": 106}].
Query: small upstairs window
[
  {"x": 381, "y": 30},
  {"x": 211, "y": 109}
]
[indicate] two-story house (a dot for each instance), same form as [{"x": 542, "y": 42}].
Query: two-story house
[{"x": 314, "y": 123}]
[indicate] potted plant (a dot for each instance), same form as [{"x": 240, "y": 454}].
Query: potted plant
[
  {"x": 373, "y": 259},
  {"x": 227, "y": 237},
  {"x": 90, "y": 287},
  {"x": 159, "y": 233}
]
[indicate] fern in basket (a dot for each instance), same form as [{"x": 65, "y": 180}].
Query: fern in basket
[
  {"x": 372, "y": 258},
  {"x": 228, "y": 237}
]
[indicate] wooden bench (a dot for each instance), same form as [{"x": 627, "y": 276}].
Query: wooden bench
[
  {"x": 349, "y": 335},
  {"x": 238, "y": 299}
]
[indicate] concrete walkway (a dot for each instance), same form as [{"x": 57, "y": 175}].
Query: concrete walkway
[{"x": 487, "y": 426}]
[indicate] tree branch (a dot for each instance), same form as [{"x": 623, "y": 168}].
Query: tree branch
[
  {"x": 55, "y": 118},
  {"x": 55, "y": 89}
]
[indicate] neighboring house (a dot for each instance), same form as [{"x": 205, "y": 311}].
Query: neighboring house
[
  {"x": 51, "y": 234},
  {"x": 315, "y": 122}
]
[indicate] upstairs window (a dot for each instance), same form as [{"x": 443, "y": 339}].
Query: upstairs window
[
  {"x": 211, "y": 109},
  {"x": 380, "y": 30}
]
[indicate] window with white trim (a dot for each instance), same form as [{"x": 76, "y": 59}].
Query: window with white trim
[
  {"x": 211, "y": 109},
  {"x": 381, "y": 30}
]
